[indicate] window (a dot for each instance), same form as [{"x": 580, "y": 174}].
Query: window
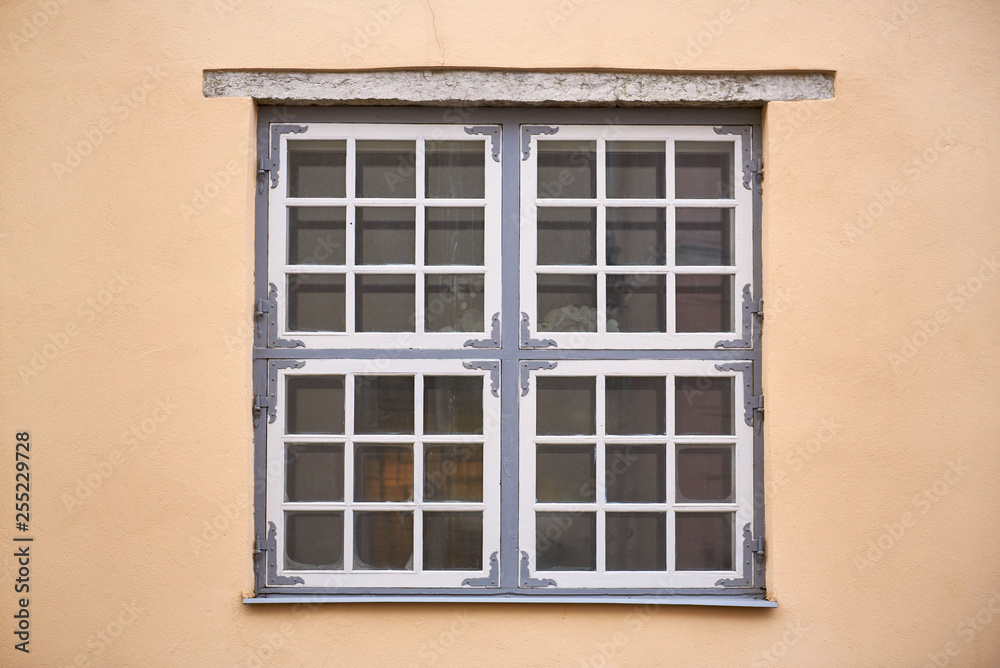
[{"x": 508, "y": 354}]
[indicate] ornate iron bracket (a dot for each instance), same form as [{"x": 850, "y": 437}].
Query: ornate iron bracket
[
  {"x": 269, "y": 400},
  {"x": 273, "y": 161},
  {"x": 527, "y": 341},
  {"x": 528, "y": 582},
  {"x": 751, "y": 307},
  {"x": 266, "y": 315},
  {"x": 493, "y": 368},
  {"x": 753, "y": 559},
  {"x": 526, "y": 133},
  {"x": 491, "y": 580},
  {"x": 532, "y": 365},
  {"x": 752, "y": 169},
  {"x": 753, "y": 404},
  {"x": 267, "y": 546},
  {"x": 491, "y": 130},
  {"x": 492, "y": 342}
]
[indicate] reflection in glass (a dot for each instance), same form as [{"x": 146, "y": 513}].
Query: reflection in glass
[
  {"x": 455, "y": 169},
  {"x": 567, "y": 236},
  {"x": 636, "y": 169},
  {"x": 454, "y": 302},
  {"x": 703, "y": 405},
  {"x": 316, "y": 235},
  {"x": 315, "y": 405},
  {"x": 636, "y": 541},
  {"x": 383, "y": 541},
  {"x": 704, "y": 541},
  {"x": 386, "y": 168},
  {"x": 314, "y": 472},
  {"x": 704, "y": 303},
  {"x": 314, "y": 541},
  {"x": 383, "y": 472},
  {"x": 564, "y": 473},
  {"x": 567, "y": 302},
  {"x": 317, "y": 168},
  {"x": 566, "y": 541},
  {"x": 637, "y": 303},
  {"x": 385, "y": 235},
  {"x": 635, "y": 473},
  {"x": 453, "y": 541},
  {"x": 705, "y": 237},
  {"x": 316, "y": 303},
  {"x": 385, "y": 303},
  {"x": 453, "y": 472},
  {"x": 383, "y": 404},
  {"x": 454, "y": 235},
  {"x": 636, "y": 404},
  {"x": 705, "y": 473},
  {"x": 636, "y": 236},
  {"x": 704, "y": 169},
  {"x": 567, "y": 169},
  {"x": 565, "y": 405},
  {"x": 453, "y": 404}
]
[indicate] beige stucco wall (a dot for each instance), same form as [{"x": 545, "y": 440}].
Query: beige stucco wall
[{"x": 126, "y": 213}]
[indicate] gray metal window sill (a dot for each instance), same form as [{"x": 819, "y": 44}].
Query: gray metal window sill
[{"x": 717, "y": 601}]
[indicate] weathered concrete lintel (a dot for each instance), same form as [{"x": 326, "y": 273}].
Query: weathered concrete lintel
[{"x": 518, "y": 88}]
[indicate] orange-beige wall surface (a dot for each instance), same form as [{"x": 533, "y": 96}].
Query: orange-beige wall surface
[{"x": 126, "y": 237}]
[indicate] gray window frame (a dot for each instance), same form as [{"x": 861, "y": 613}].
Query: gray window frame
[{"x": 267, "y": 354}]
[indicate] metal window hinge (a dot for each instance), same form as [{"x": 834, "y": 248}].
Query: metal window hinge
[
  {"x": 269, "y": 546},
  {"x": 757, "y": 406},
  {"x": 268, "y": 399},
  {"x": 269, "y": 164},
  {"x": 491, "y": 580},
  {"x": 757, "y": 173},
  {"x": 493, "y": 131},
  {"x": 753, "y": 561},
  {"x": 527, "y": 131},
  {"x": 260, "y": 403},
  {"x": 266, "y": 320},
  {"x": 528, "y": 582},
  {"x": 751, "y": 307}
]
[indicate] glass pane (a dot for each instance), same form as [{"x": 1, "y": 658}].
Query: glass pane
[
  {"x": 453, "y": 472},
  {"x": 636, "y": 404},
  {"x": 705, "y": 473},
  {"x": 454, "y": 302},
  {"x": 565, "y": 405},
  {"x": 316, "y": 235},
  {"x": 454, "y": 235},
  {"x": 385, "y": 235},
  {"x": 704, "y": 303},
  {"x": 314, "y": 541},
  {"x": 637, "y": 303},
  {"x": 316, "y": 303},
  {"x": 383, "y": 404},
  {"x": 636, "y": 541},
  {"x": 704, "y": 169},
  {"x": 386, "y": 169},
  {"x": 453, "y": 404},
  {"x": 383, "y": 472},
  {"x": 386, "y": 303},
  {"x": 704, "y": 541},
  {"x": 317, "y": 168},
  {"x": 636, "y": 236},
  {"x": 455, "y": 168},
  {"x": 636, "y": 169},
  {"x": 315, "y": 405},
  {"x": 383, "y": 541},
  {"x": 566, "y": 541},
  {"x": 567, "y": 236},
  {"x": 314, "y": 472},
  {"x": 567, "y": 169},
  {"x": 567, "y": 303},
  {"x": 453, "y": 541},
  {"x": 635, "y": 474},
  {"x": 565, "y": 473},
  {"x": 704, "y": 405},
  {"x": 705, "y": 237}
]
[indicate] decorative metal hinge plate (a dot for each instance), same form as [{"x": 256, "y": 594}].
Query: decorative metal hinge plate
[
  {"x": 753, "y": 561},
  {"x": 269, "y": 401},
  {"x": 493, "y": 368},
  {"x": 491, "y": 130},
  {"x": 526, "y": 369},
  {"x": 527, "y": 131},
  {"x": 493, "y": 341},
  {"x": 527, "y": 341},
  {"x": 271, "y": 163},
  {"x": 266, "y": 319},
  {"x": 753, "y": 404},
  {"x": 269, "y": 546},
  {"x": 528, "y": 582},
  {"x": 491, "y": 580},
  {"x": 751, "y": 307},
  {"x": 752, "y": 168}
]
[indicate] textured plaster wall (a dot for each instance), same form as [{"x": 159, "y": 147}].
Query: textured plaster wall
[{"x": 126, "y": 237}]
